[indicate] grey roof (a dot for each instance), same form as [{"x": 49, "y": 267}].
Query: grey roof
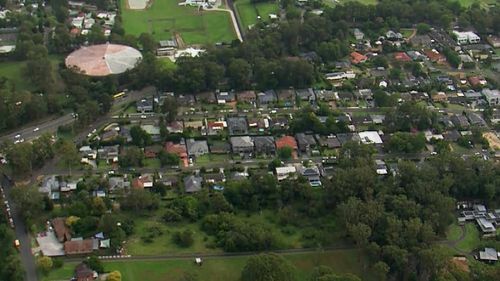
[
  {"x": 488, "y": 254},
  {"x": 192, "y": 184},
  {"x": 347, "y": 137},
  {"x": 475, "y": 119},
  {"x": 304, "y": 140},
  {"x": 264, "y": 143},
  {"x": 226, "y": 96},
  {"x": 305, "y": 94},
  {"x": 237, "y": 125},
  {"x": 196, "y": 147},
  {"x": 459, "y": 121},
  {"x": 243, "y": 141},
  {"x": 267, "y": 96}
]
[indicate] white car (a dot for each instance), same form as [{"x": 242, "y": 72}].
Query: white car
[
  {"x": 36, "y": 129},
  {"x": 143, "y": 117},
  {"x": 17, "y": 136}
]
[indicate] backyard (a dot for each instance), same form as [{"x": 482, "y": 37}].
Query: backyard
[
  {"x": 165, "y": 17},
  {"x": 249, "y": 11},
  {"x": 222, "y": 268},
  {"x": 466, "y": 240}
]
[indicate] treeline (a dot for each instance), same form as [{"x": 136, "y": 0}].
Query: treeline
[{"x": 10, "y": 265}]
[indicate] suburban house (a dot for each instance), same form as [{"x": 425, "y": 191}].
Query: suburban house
[
  {"x": 476, "y": 120},
  {"x": 487, "y": 227},
  {"x": 196, "y": 148},
  {"x": 267, "y": 97},
  {"x": 264, "y": 145},
  {"x": 489, "y": 255},
  {"x": 306, "y": 95},
  {"x": 326, "y": 95},
  {"x": 286, "y": 97},
  {"x": 330, "y": 141},
  {"x": 357, "y": 58},
  {"x": 152, "y": 130},
  {"x": 215, "y": 127},
  {"x": 78, "y": 247},
  {"x": 61, "y": 231},
  {"x": 219, "y": 147},
  {"x": 305, "y": 142},
  {"x": 434, "y": 56},
  {"x": 460, "y": 121},
  {"x": 225, "y": 97},
  {"x": 246, "y": 97},
  {"x": 213, "y": 178},
  {"x": 143, "y": 181},
  {"x": 84, "y": 273},
  {"x": 144, "y": 105},
  {"x": 206, "y": 97},
  {"x": 109, "y": 153},
  {"x": 348, "y": 137},
  {"x": 285, "y": 172},
  {"x": 243, "y": 144},
  {"x": 370, "y": 137},
  {"x": 237, "y": 126},
  {"x": 118, "y": 183},
  {"x": 402, "y": 57},
  {"x": 312, "y": 174},
  {"x": 175, "y": 127},
  {"x": 192, "y": 184},
  {"x": 492, "y": 96},
  {"x": 288, "y": 141},
  {"x": 179, "y": 149}
]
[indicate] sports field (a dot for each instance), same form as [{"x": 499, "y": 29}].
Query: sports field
[
  {"x": 165, "y": 17},
  {"x": 248, "y": 11}
]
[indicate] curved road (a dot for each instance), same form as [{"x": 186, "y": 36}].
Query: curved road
[{"x": 27, "y": 258}]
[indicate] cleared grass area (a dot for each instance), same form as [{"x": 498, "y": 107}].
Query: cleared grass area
[
  {"x": 471, "y": 240},
  {"x": 249, "y": 12},
  {"x": 167, "y": 63},
  {"x": 205, "y": 159},
  {"x": 482, "y": 3},
  {"x": 223, "y": 268},
  {"x": 165, "y": 17},
  {"x": 453, "y": 233},
  {"x": 13, "y": 70},
  {"x": 152, "y": 163}
]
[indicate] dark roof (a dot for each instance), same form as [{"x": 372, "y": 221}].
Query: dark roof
[
  {"x": 267, "y": 96},
  {"x": 237, "y": 125},
  {"x": 304, "y": 141},
  {"x": 347, "y": 137},
  {"x": 264, "y": 143},
  {"x": 220, "y": 147},
  {"x": 192, "y": 184}
]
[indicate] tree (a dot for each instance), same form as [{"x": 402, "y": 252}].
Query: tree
[
  {"x": 140, "y": 137},
  {"x": 184, "y": 238},
  {"x": 406, "y": 142},
  {"x": 171, "y": 215},
  {"x": 147, "y": 42},
  {"x": 44, "y": 264},
  {"x": 381, "y": 269},
  {"x": 69, "y": 154},
  {"x": 133, "y": 157},
  {"x": 169, "y": 108},
  {"x": 114, "y": 276},
  {"x": 268, "y": 267},
  {"x": 28, "y": 201},
  {"x": 39, "y": 69},
  {"x": 285, "y": 153},
  {"x": 423, "y": 28},
  {"x": 239, "y": 72},
  {"x": 94, "y": 263},
  {"x": 168, "y": 159},
  {"x": 140, "y": 200}
]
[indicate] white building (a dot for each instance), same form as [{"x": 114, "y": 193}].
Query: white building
[
  {"x": 370, "y": 137},
  {"x": 284, "y": 172},
  {"x": 492, "y": 96},
  {"x": 467, "y": 37}
]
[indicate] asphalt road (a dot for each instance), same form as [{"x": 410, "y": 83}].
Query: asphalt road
[
  {"x": 29, "y": 133},
  {"x": 27, "y": 258}
]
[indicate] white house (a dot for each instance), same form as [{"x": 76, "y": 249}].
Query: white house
[
  {"x": 284, "y": 172},
  {"x": 467, "y": 37},
  {"x": 492, "y": 96}
]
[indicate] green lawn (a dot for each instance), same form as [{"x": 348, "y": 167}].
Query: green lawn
[
  {"x": 13, "y": 70},
  {"x": 471, "y": 240},
  {"x": 165, "y": 17},
  {"x": 152, "y": 163},
  {"x": 208, "y": 158},
  {"x": 223, "y": 268},
  {"x": 248, "y": 11},
  {"x": 167, "y": 63},
  {"x": 483, "y": 3},
  {"x": 453, "y": 232}
]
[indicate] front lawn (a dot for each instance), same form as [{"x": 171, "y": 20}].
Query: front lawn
[
  {"x": 165, "y": 17},
  {"x": 223, "y": 268}
]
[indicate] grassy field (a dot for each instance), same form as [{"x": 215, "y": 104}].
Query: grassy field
[
  {"x": 224, "y": 268},
  {"x": 13, "y": 70},
  {"x": 248, "y": 11},
  {"x": 483, "y": 3},
  {"x": 164, "y": 17}
]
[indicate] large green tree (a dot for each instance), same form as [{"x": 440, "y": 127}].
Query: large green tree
[{"x": 268, "y": 267}]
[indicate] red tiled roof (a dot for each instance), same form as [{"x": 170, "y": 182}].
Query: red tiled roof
[
  {"x": 401, "y": 56},
  {"x": 78, "y": 247},
  {"x": 286, "y": 141},
  {"x": 179, "y": 149},
  {"x": 358, "y": 58},
  {"x": 434, "y": 56},
  {"x": 474, "y": 80}
]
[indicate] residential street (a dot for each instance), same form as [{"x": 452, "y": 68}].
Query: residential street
[{"x": 27, "y": 258}]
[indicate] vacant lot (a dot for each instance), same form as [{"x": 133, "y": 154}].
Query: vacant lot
[
  {"x": 249, "y": 12},
  {"x": 223, "y": 268},
  {"x": 163, "y": 18}
]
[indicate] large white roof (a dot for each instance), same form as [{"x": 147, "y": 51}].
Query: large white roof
[{"x": 103, "y": 59}]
